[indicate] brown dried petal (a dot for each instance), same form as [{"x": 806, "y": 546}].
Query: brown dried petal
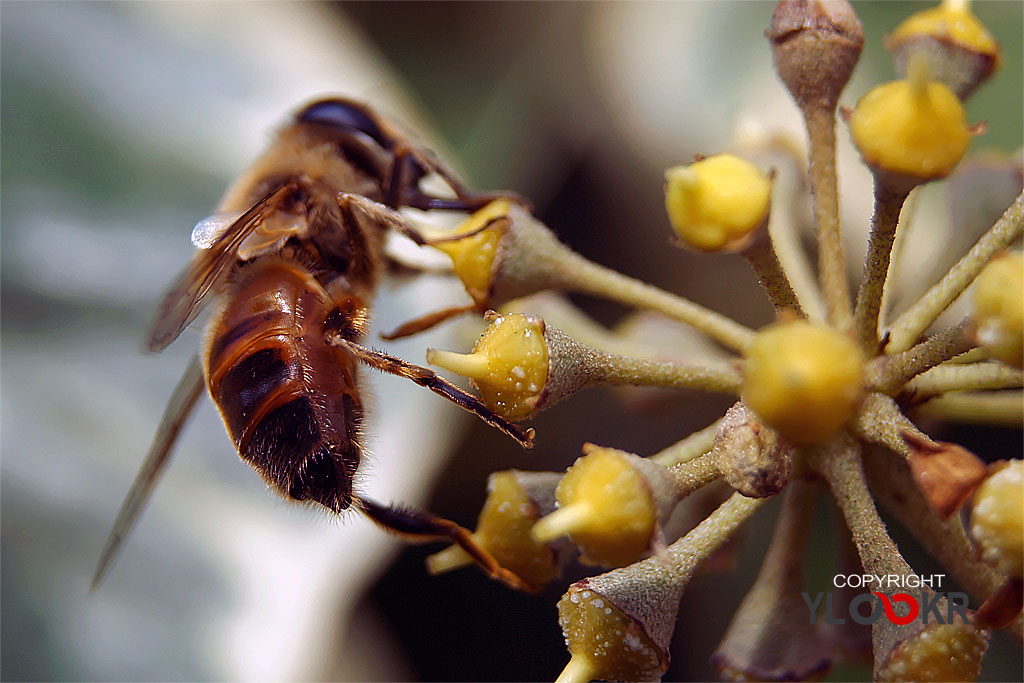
[{"x": 944, "y": 472}]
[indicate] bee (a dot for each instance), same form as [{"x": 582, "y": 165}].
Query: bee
[{"x": 293, "y": 256}]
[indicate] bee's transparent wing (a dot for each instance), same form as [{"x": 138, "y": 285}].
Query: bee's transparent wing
[
  {"x": 183, "y": 300},
  {"x": 188, "y": 391}
]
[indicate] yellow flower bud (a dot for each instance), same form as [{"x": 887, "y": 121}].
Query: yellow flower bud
[
  {"x": 997, "y": 519},
  {"x": 939, "y": 652},
  {"x": 515, "y": 501},
  {"x": 913, "y": 128},
  {"x": 607, "y": 508},
  {"x": 717, "y": 202},
  {"x": 473, "y": 255},
  {"x": 804, "y": 380},
  {"x": 604, "y": 643},
  {"x": 949, "y": 21},
  {"x": 508, "y": 365},
  {"x": 999, "y": 308},
  {"x": 961, "y": 51}
]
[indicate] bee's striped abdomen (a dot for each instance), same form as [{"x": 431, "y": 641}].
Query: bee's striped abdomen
[{"x": 288, "y": 399}]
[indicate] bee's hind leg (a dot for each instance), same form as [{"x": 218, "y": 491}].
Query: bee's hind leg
[
  {"x": 426, "y": 377},
  {"x": 422, "y": 527}
]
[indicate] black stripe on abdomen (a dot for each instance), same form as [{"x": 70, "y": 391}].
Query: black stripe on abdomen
[
  {"x": 250, "y": 383},
  {"x": 222, "y": 341},
  {"x": 287, "y": 448}
]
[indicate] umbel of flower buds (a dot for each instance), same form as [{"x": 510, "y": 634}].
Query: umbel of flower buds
[
  {"x": 815, "y": 45},
  {"x": 960, "y": 50}
]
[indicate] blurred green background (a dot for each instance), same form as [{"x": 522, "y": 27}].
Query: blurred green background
[{"x": 121, "y": 125}]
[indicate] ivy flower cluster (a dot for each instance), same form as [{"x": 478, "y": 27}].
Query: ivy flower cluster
[{"x": 826, "y": 395}]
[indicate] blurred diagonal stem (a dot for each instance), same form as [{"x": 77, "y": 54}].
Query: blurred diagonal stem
[
  {"x": 913, "y": 322},
  {"x": 821, "y": 131}
]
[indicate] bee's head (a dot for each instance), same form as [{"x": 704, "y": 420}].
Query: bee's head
[{"x": 344, "y": 115}]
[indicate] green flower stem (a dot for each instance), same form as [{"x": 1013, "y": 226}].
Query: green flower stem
[
  {"x": 889, "y": 374},
  {"x": 888, "y": 203},
  {"x": 975, "y": 355},
  {"x": 906, "y": 225},
  {"x": 686, "y": 554},
  {"x": 784, "y": 559},
  {"x": 880, "y": 421},
  {"x": 695, "y": 474},
  {"x": 944, "y": 539},
  {"x": 765, "y": 262},
  {"x": 683, "y": 557},
  {"x": 840, "y": 463},
  {"x": 1002, "y": 409},
  {"x": 557, "y": 310},
  {"x": 531, "y": 259},
  {"x": 821, "y": 131},
  {"x": 909, "y": 326},
  {"x": 614, "y": 369},
  {"x": 975, "y": 377},
  {"x": 693, "y": 446},
  {"x": 581, "y": 275},
  {"x": 782, "y": 228}
]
